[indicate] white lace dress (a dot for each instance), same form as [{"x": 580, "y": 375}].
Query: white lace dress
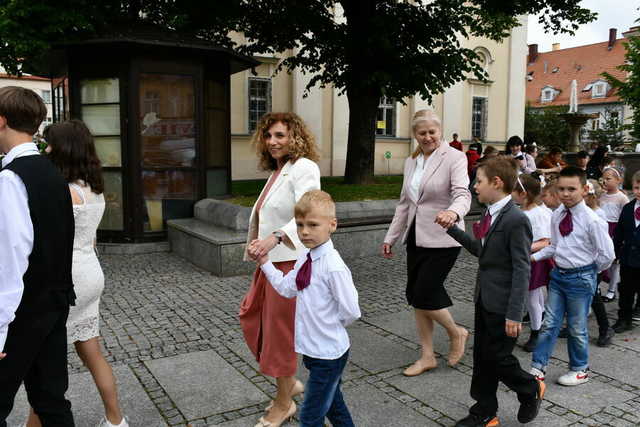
[{"x": 88, "y": 279}]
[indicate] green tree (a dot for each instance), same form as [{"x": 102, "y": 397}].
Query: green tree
[
  {"x": 629, "y": 89},
  {"x": 545, "y": 127},
  {"x": 610, "y": 132},
  {"x": 365, "y": 48}
]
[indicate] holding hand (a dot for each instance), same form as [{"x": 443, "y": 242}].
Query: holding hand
[
  {"x": 512, "y": 329},
  {"x": 386, "y": 251},
  {"x": 260, "y": 248},
  {"x": 446, "y": 219}
]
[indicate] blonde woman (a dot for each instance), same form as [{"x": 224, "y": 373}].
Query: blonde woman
[
  {"x": 287, "y": 149},
  {"x": 435, "y": 191}
]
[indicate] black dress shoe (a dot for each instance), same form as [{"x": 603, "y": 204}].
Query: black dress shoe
[
  {"x": 622, "y": 326},
  {"x": 472, "y": 420},
  {"x": 529, "y": 410},
  {"x": 605, "y": 339}
]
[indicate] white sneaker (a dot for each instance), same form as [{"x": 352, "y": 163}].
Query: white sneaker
[
  {"x": 538, "y": 373},
  {"x": 572, "y": 378},
  {"x": 105, "y": 423}
]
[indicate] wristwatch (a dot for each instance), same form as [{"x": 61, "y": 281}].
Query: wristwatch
[{"x": 279, "y": 235}]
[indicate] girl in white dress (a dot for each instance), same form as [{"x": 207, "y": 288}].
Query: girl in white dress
[
  {"x": 612, "y": 202},
  {"x": 526, "y": 194},
  {"x": 72, "y": 150}
]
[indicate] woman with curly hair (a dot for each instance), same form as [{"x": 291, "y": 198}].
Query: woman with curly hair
[{"x": 287, "y": 149}]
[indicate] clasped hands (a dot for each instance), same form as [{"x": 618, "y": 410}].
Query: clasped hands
[
  {"x": 259, "y": 249},
  {"x": 446, "y": 219}
]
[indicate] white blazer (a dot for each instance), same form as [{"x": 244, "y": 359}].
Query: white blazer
[{"x": 276, "y": 212}]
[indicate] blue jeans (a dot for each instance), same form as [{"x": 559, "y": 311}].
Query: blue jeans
[
  {"x": 570, "y": 291},
  {"x": 322, "y": 395}
]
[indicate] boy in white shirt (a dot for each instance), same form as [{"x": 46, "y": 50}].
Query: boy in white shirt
[
  {"x": 327, "y": 301},
  {"x": 580, "y": 247}
]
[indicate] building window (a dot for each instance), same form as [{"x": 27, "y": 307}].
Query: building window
[
  {"x": 386, "y": 120},
  {"x": 599, "y": 90},
  {"x": 46, "y": 96},
  {"x": 259, "y": 100},
  {"x": 479, "y": 115},
  {"x": 548, "y": 94}
]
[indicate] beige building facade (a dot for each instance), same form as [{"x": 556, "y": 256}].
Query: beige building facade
[
  {"x": 491, "y": 111},
  {"x": 40, "y": 85}
]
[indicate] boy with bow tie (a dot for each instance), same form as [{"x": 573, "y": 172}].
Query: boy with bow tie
[
  {"x": 326, "y": 302},
  {"x": 581, "y": 247},
  {"x": 627, "y": 244},
  {"x": 502, "y": 244}
]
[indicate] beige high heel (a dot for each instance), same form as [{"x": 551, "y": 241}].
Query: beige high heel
[
  {"x": 262, "y": 422},
  {"x": 297, "y": 389},
  {"x": 457, "y": 347}
]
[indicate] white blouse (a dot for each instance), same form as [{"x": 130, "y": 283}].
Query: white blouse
[
  {"x": 540, "y": 219},
  {"x": 418, "y": 173}
]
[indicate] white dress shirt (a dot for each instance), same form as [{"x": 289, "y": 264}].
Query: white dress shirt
[
  {"x": 323, "y": 308},
  {"x": 494, "y": 209},
  {"x": 588, "y": 243},
  {"x": 418, "y": 173},
  {"x": 16, "y": 243}
]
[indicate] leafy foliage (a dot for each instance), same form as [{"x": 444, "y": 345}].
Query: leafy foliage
[
  {"x": 610, "y": 132},
  {"x": 365, "y": 48},
  {"x": 629, "y": 90},
  {"x": 545, "y": 127}
]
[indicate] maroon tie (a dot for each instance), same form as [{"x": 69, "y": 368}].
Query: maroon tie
[
  {"x": 303, "y": 278},
  {"x": 566, "y": 225},
  {"x": 480, "y": 229},
  {"x": 637, "y": 214}
]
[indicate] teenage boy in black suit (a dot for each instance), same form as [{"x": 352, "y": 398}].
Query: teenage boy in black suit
[{"x": 36, "y": 247}]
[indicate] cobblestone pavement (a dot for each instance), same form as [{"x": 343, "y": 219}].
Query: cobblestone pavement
[{"x": 163, "y": 319}]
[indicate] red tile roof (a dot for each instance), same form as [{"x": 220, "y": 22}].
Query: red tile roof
[
  {"x": 23, "y": 77},
  {"x": 585, "y": 64}
]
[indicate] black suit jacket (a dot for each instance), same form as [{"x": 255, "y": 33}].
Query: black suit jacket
[
  {"x": 504, "y": 262},
  {"x": 626, "y": 239}
]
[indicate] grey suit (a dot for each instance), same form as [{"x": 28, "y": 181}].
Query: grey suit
[{"x": 504, "y": 262}]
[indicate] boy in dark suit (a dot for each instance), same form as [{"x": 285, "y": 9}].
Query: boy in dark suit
[
  {"x": 503, "y": 246},
  {"x": 626, "y": 241}
]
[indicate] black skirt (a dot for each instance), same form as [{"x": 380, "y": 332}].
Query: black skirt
[{"x": 427, "y": 269}]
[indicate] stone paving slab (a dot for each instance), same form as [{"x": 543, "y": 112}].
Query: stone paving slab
[
  {"x": 377, "y": 354},
  {"x": 203, "y": 384},
  {"x": 350, "y": 371},
  {"x": 447, "y": 391},
  {"x": 403, "y": 324},
  {"x": 371, "y": 407},
  {"x": 87, "y": 406}
]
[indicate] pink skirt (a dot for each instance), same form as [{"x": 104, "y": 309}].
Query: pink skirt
[
  {"x": 268, "y": 321},
  {"x": 540, "y": 273}
]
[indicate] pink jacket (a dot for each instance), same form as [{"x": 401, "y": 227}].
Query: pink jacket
[{"x": 444, "y": 186}]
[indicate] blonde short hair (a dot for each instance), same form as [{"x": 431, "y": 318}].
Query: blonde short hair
[
  {"x": 422, "y": 116},
  {"x": 313, "y": 201}
]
